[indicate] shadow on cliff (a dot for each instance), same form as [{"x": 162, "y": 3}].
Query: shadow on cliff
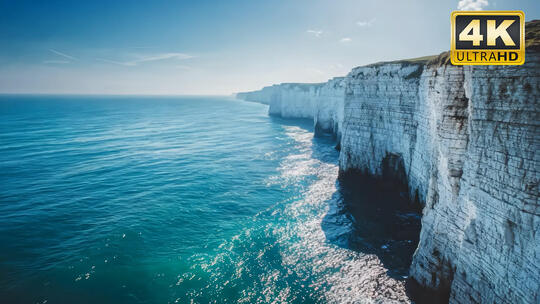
[
  {"x": 323, "y": 145},
  {"x": 369, "y": 214},
  {"x": 374, "y": 215},
  {"x": 304, "y": 123}
]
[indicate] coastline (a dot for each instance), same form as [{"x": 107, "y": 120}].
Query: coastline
[{"x": 466, "y": 139}]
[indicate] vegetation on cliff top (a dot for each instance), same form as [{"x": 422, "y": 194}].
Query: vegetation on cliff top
[
  {"x": 532, "y": 35},
  {"x": 532, "y": 43}
]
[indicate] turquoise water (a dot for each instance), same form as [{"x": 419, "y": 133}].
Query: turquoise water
[{"x": 172, "y": 200}]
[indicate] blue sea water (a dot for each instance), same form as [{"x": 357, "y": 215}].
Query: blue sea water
[{"x": 172, "y": 200}]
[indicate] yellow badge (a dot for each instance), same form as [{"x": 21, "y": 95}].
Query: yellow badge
[{"x": 488, "y": 38}]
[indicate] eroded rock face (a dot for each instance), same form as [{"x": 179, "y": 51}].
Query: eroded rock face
[
  {"x": 482, "y": 212},
  {"x": 322, "y": 102},
  {"x": 468, "y": 138}
]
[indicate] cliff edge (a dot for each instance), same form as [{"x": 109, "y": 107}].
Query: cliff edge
[{"x": 468, "y": 139}]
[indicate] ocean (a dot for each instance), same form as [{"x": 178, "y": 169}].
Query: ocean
[{"x": 140, "y": 199}]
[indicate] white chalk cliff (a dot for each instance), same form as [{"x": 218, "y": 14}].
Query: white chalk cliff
[
  {"x": 468, "y": 138},
  {"x": 322, "y": 102}
]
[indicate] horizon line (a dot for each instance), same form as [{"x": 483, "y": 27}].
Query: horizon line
[{"x": 113, "y": 94}]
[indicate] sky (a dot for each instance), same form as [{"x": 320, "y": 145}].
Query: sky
[{"x": 213, "y": 47}]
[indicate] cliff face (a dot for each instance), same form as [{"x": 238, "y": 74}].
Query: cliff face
[
  {"x": 468, "y": 138},
  {"x": 265, "y": 95},
  {"x": 322, "y": 102}
]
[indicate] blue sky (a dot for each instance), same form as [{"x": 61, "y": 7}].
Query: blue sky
[{"x": 213, "y": 47}]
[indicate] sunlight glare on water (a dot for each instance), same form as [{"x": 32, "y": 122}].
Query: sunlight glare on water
[{"x": 173, "y": 200}]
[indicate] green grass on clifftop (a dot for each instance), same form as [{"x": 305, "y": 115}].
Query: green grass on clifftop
[
  {"x": 532, "y": 43},
  {"x": 532, "y": 35}
]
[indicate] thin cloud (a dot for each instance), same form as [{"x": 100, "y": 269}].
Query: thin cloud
[
  {"x": 113, "y": 61},
  {"x": 345, "y": 40},
  {"x": 62, "y": 54},
  {"x": 368, "y": 23},
  {"x": 56, "y": 61},
  {"x": 183, "y": 67},
  {"x": 472, "y": 5},
  {"x": 149, "y": 58},
  {"x": 142, "y": 47},
  {"x": 178, "y": 56},
  {"x": 315, "y": 33}
]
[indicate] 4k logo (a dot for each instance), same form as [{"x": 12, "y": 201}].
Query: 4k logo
[{"x": 488, "y": 37}]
